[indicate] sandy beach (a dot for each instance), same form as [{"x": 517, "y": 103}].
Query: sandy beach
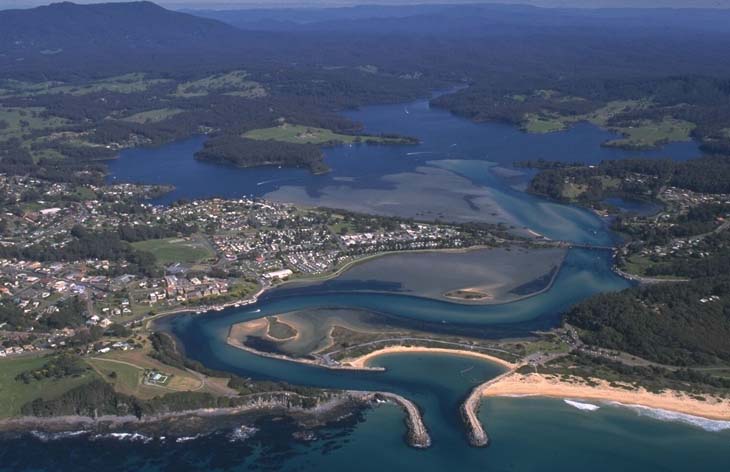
[
  {"x": 550, "y": 386},
  {"x": 362, "y": 361}
]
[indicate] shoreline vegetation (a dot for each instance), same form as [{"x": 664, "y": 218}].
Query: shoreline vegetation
[{"x": 542, "y": 385}]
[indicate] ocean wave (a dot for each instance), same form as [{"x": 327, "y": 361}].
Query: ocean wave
[
  {"x": 183, "y": 439},
  {"x": 673, "y": 416},
  {"x": 582, "y": 406},
  {"x": 132, "y": 437},
  {"x": 242, "y": 433},
  {"x": 45, "y": 437}
]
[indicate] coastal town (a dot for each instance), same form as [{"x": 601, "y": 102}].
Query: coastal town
[
  {"x": 689, "y": 226},
  {"x": 119, "y": 258}
]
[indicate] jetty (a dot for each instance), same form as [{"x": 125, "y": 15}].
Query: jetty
[
  {"x": 469, "y": 410},
  {"x": 418, "y": 436}
]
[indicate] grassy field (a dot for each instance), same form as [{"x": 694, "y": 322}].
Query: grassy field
[
  {"x": 539, "y": 123},
  {"x": 170, "y": 250},
  {"x": 572, "y": 191},
  {"x": 298, "y": 134},
  {"x": 152, "y": 116},
  {"x": 308, "y": 135},
  {"x": 279, "y": 330},
  {"x": 601, "y": 116},
  {"x": 648, "y": 134},
  {"x": 15, "y": 122},
  {"x": 127, "y": 83},
  {"x": 551, "y": 122},
  {"x": 233, "y": 83},
  {"x": 637, "y": 265},
  {"x": 130, "y": 367},
  {"x": 15, "y": 394}
]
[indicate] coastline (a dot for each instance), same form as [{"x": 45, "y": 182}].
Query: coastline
[
  {"x": 192, "y": 423},
  {"x": 259, "y": 403},
  {"x": 541, "y": 385}
]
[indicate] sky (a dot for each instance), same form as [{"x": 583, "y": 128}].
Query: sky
[{"x": 230, "y": 4}]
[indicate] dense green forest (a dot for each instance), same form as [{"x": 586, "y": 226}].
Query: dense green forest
[
  {"x": 244, "y": 152},
  {"x": 710, "y": 174},
  {"x": 673, "y": 323}
]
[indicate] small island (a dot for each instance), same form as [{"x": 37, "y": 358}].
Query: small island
[{"x": 287, "y": 145}]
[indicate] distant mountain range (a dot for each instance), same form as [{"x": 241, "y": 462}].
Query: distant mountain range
[
  {"x": 470, "y": 18},
  {"x": 64, "y": 39}
]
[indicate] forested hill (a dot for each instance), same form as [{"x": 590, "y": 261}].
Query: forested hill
[
  {"x": 67, "y": 36},
  {"x": 676, "y": 324},
  {"x": 472, "y": 19},
  {"x": 133, "y": 25}
]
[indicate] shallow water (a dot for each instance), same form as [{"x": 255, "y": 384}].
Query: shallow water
[{"x": 638, "y": 207}]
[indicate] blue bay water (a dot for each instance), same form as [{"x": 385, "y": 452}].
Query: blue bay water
[
  {"x": 527, "y": 434},
  {"x": 448, "y": 143}
]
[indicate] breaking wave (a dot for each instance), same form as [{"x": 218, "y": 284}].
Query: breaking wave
[
  {"x": 665, "y": 415},
  {"x": 132, "y": 437},
  {"x": 241, "y": 433},
  {"x": 183, "y": 439},
  {"x": 582, "y": 406},
  {"x": 45, "y": 437}
]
